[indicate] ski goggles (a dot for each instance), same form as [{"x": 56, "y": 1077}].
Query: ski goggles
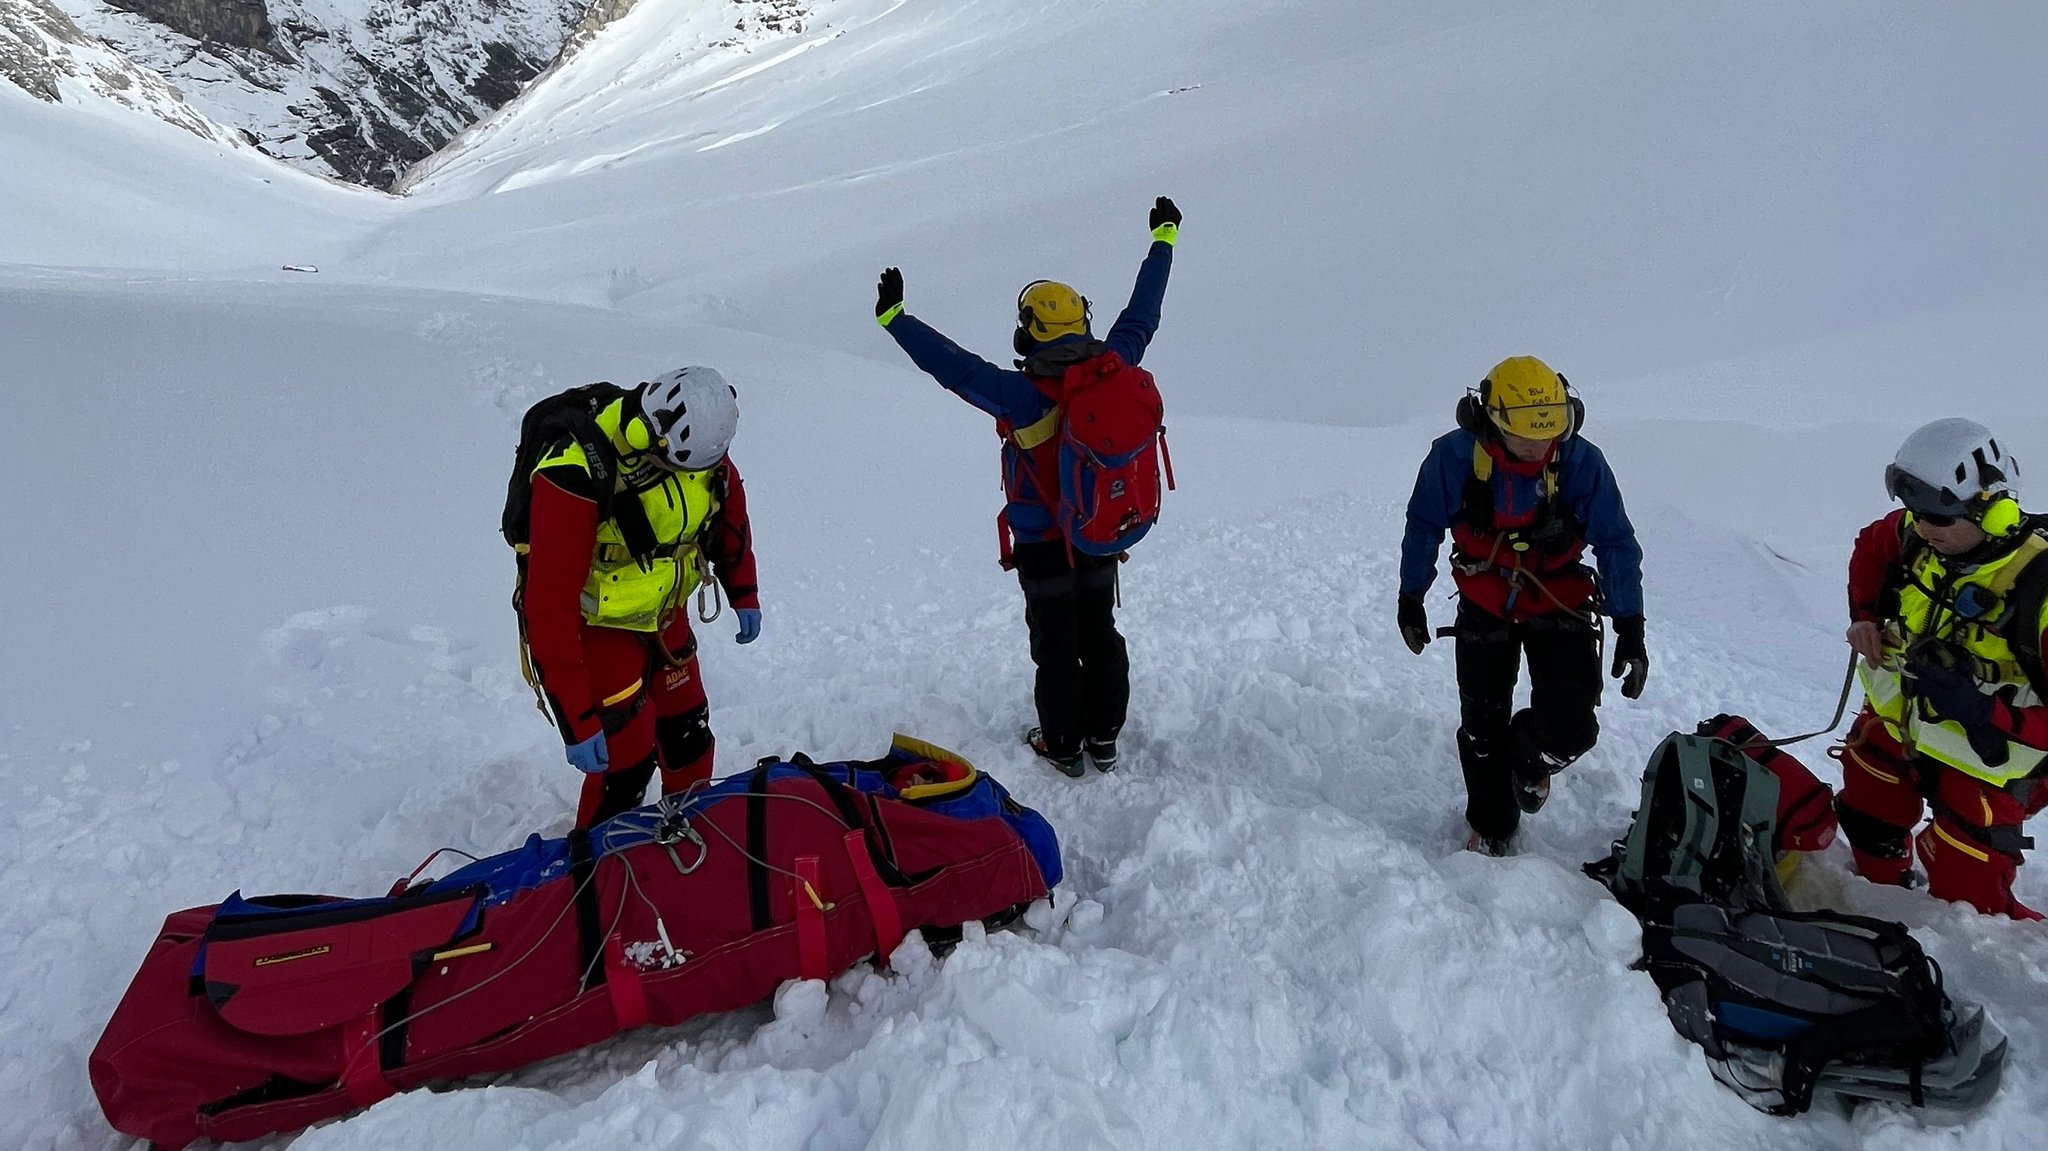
[{"x": 1933, "y": 506}]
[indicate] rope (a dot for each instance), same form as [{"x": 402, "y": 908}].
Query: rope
[
  {"x": 547, "y": 932},
  {"x": 1841, "y": 706}
]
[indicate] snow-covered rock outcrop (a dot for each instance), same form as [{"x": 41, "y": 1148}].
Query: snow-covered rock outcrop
[
  {"x": 358, "y": 89},
  {"x": 44, "y": 53}
]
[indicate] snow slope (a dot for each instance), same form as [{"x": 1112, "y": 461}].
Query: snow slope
[
  {"x": 275, "y": 652},
  {"x": 106, "y": 186}
]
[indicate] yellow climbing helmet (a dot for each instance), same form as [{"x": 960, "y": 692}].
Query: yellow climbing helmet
[
  {"x": 1048, "y": 309},
  {"x": 1525, "y": 398}
]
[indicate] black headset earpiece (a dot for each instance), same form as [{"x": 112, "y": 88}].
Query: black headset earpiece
[
  {"x": 1472, "y": 415},
  {"x": 1575, "y": 408},
  {"x": 1024, "y": 317}
]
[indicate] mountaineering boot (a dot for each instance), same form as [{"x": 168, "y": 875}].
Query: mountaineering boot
[
  {"x": 1532, "y": 779},
  {"x": 1101, "y": 753},
  {"x": 1069, "y": 765},
  {"x": 1491, "y": 813},
  {"x": 1532, "y": 794},
  {"x": 1484, "y": 846}
]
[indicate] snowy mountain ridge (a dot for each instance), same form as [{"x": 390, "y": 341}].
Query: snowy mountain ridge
[
  {"x": 360, "y": 90},
  {"x": 44, "y": 54},
  {"x": 260, "y": 638}
]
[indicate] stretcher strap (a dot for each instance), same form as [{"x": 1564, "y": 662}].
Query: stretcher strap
[
  {"x": 362, "y": 1075},
  {"x": 881, "y": 901},
  {"x": 757, "y": 847},
  {"x": 629, "y": 998},
  {"x": 582, "y": 873},
  {"x": 810, "y": 919}
]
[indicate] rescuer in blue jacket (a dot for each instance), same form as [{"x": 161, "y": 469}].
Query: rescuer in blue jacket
[
  {"x": 1523, "y": 496},
  {"x": 1083, "y": 682}
]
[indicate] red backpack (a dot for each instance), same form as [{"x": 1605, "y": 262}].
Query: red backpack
[{"x": 1106, "y": 453}]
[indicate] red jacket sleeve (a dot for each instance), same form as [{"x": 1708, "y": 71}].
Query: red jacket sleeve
[
  {"x": 562, "y": 538},
  {"x": 729, "y": 543},
  {"x": 2028, "y": 725},
  {"x": 1879, "y": 548}
]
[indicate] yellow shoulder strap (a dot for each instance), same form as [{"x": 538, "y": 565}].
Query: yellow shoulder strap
[
  {"x": 1482, "y": 467},
  {"x": 1032, "y": 435},
  {"x": 2006, "y": 577}
]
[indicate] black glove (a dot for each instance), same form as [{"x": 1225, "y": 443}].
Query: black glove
[
  {"x": 1952, "y": 691},
  {"x": 1631, "y": 659},
  {"x": 1163, "y": 212},
  {"x": 888, "y": 291},
  {"x": 1413, "y": 620}
]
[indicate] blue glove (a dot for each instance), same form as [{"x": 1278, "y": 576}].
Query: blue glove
[
  {"x": 590, "y": 757},
  {"x": 750, "y": 624}
]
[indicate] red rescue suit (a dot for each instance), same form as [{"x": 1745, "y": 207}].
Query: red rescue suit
[
  {"x": 1973, "y": 846},
  {"x": 641, "y": 688}
]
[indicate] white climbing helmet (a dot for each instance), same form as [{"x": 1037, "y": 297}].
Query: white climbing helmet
[
  {"x": 694, "y": 414},
  {"x": 1951, "y": 467}
]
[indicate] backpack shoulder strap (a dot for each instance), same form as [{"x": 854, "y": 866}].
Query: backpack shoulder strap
[
  {"x": 1901, "y": 572},
  {"x": 1907, "y": 1022},
  {"x": 1038, "y": 432},
  {"x": 600, "y": 458},
  {"x": 1482, "y": 472},
  {"x": 1757, "y": 836},
  {"x": 1648, "y": 862},
  {"x": 1694, "y": 762},
  {"x": 2026, "y": 593},
  {"x": 1475, "y": 506}
]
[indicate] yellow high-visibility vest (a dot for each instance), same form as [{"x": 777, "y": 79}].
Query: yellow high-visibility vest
[
  {"x": 1921, "y": 616},
  {"x": 624, "y": 592}
]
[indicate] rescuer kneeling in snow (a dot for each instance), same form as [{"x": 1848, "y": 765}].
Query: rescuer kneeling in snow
[
  {"x": 1948, "y": 600},
  {"x": 1522, "y": 494}
]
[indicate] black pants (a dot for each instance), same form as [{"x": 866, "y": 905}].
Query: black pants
[
  {"x": 1084, "y": 673},
  {"x": 1495, "y": 744}
]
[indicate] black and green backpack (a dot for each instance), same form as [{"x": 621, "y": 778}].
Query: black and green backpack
[
  {"x": 1706, "y": 830},
  {"x": 1786, "y": 1004}
]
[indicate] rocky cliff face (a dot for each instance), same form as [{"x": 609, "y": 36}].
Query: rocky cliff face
[
  {"x": 45, "y": 54},
  {"x": 358, "y": 89},
  {"x": 238, "y": 23}
]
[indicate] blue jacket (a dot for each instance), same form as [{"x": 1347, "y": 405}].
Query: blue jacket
[
  {"x": 1586, "y": 489},
  {"x": 1013, "y": 399}
]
